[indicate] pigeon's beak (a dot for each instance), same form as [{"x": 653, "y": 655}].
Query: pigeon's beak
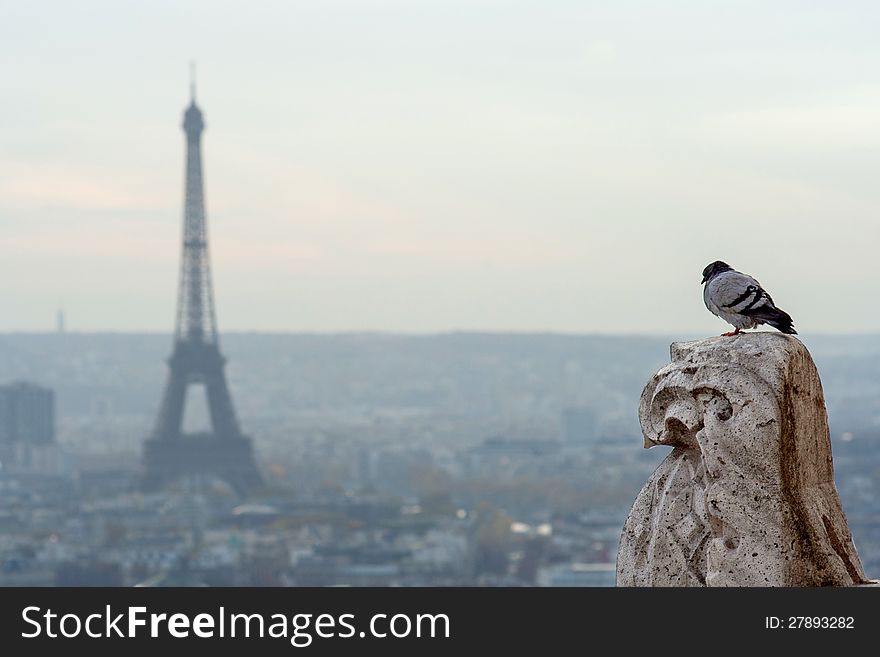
[{"x": 705, "y": 278}]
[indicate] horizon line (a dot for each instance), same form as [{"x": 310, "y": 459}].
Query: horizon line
[{"x": 419, "y": 333}]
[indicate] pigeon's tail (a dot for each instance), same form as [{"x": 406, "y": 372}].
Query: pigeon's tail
[
  {"x": 784, "y": 325},
  {"x": 778, "y": 319}
]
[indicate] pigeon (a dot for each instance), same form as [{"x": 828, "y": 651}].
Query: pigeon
[{"x": 740, "y": 300}]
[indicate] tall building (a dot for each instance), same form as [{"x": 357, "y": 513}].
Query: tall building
[
  {"x": 27, "y": 414},
  {"x": 223, "y": 451}
]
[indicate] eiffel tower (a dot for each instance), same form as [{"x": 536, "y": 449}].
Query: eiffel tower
[{"x": 222, "y": 452}]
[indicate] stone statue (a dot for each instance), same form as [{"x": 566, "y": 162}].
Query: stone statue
[{"x": 747, "y": 496}]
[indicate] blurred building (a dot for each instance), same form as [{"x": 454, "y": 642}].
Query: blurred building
[
  {"x": 505, "y": 458},
  {"x": 577, "y": 574},
  {"x": 27, "y": 433},
  {"x": 27, "y": 414}
]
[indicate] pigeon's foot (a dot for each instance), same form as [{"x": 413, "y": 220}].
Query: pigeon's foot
[{"x": 727, "y": 335}]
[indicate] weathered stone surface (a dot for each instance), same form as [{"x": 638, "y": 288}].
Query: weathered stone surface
[{"x": 747, "y": 496}]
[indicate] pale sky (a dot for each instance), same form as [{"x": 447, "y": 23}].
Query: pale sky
[{"x": 422, "y": 165}]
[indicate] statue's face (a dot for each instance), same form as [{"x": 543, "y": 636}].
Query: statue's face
[
  {"x": 724, "y": 422},
  {"x": 703, "y": 406},
  {"x": 747, "y": 497}
]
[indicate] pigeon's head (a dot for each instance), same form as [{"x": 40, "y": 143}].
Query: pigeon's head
[{"x": 714, "y": 269}]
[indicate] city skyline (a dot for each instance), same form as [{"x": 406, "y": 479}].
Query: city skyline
[{"x": 479, "y": 166}]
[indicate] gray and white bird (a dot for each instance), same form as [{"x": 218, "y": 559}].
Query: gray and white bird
[{"x": 740, "y": 300}]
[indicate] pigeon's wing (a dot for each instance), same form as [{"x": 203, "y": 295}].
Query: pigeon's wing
[
  {"x": 738, "y": 293},
  {"x": 735, "y": 292},
  {"x": 766, "y": 312}
]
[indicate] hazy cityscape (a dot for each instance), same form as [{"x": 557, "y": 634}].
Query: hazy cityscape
[
  {"x": 453, "y": 459},
  {"x": 549, "y": 181}
]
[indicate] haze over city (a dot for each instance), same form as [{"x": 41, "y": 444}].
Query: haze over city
[
  {"x": 432, "y": 166},
  {"x": 450, "y": 242}
]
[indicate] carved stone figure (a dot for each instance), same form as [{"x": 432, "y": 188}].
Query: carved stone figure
[{"x": 747, "y": 496}]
